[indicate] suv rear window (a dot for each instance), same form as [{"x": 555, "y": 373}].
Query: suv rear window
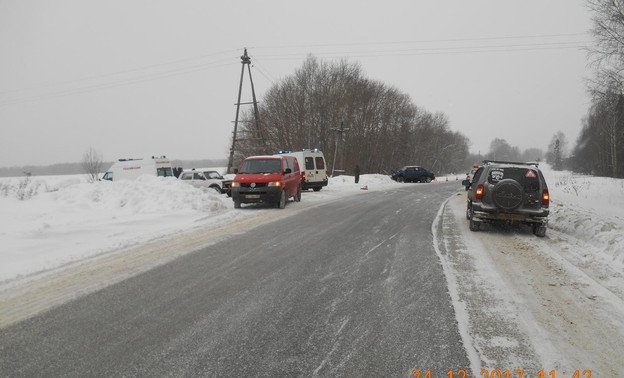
[{"x": 526, "y": 177}]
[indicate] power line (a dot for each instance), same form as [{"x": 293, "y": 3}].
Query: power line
[
  {"x": 119, "y": 73},
  {"x": 116, "y": 83},
  {"x": 440, "y": 50},
  {"x": 263, "y": 71},
  {"x": 182, "y": 67},
  {"x": 425, "y": 41}
]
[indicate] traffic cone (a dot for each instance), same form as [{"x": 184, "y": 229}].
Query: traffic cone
[{"x": 365, "y": 188}]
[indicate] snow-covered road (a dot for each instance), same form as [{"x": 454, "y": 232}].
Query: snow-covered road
[
  {"x": 552, "y": 304},
  {"x": 531, "y": 303}
]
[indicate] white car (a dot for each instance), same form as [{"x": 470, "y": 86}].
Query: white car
[{"x": 206, "y": 179}]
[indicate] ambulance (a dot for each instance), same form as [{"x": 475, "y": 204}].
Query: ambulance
[
  {"x": 130, "y": 169},
  {"x": 313, "y": 167}
]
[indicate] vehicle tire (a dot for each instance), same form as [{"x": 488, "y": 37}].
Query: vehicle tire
[
  {"x": 298, "y": 195},
  {"x": 425, "y": 179},
  {"x": 316, "y": 189},
  {"x": 400, "y": 179},
  {"x": 282, "y": 202},
  {"x": 467, "y": 210},
  {"x": 215, "y": 187},
  {"x": 474, "y": 225},
  {"x": 237, "y": 205},
  {"x": 539, "y": 230}
]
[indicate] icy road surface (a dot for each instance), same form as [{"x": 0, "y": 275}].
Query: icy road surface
[
  {"x": 529, "y": 303},
  {"x": 352, "y": 287}
]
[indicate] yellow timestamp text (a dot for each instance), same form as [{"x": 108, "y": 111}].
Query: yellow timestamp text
[{"x": 508, "y": 374}]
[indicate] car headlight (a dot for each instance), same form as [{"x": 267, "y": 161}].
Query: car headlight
[
  {"x": 275, "y": 183},
  {"x": 235, "y": 184}
]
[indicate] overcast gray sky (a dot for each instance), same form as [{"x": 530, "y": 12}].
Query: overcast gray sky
[{"x": 152, "y": 77}]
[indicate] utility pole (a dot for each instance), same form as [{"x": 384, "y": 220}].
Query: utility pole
[
  {"x": 340, "y": 131},
  {"x": 245, "y": 60}
]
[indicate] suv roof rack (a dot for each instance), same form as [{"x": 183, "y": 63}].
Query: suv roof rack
[{"x": 534, "y": 163}]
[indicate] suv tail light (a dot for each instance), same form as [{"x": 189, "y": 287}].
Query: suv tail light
[
  {"x": 545, "y": 197},
  {"x": 479, "y": 192}
]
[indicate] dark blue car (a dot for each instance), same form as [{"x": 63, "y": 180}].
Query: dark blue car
[{"x": 413, "y": 173}]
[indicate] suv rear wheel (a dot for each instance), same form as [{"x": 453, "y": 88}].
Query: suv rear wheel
[
  {"x": 539, "y": 230},
  {"x": 474, "y": 225}
]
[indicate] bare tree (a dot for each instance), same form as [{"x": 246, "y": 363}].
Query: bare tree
[
  {"x": 599, "y": 148},
  {"x": 532, "y": 154},
  {"x": 608, "y": 30},
  {"x": 92, "y": 164},
  {"x": 500, "y": 149},
  {"x": 386, "y": 130},
  {"x": 557, "y": 150}
]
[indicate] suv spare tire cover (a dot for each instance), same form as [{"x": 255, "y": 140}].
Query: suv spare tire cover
[{"x": 507, "y": 194}]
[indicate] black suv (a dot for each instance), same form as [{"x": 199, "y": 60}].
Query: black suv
[{"x": 511, "y": 192}]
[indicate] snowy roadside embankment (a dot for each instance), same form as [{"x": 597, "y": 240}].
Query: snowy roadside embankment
[
  {"x": 52, "y": 220},
  {"x": 589, "y": 209}
]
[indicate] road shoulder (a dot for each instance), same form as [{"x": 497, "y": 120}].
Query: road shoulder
[
  {"x": 27, "y": 296},
  {"x": 524, "y": 306}
]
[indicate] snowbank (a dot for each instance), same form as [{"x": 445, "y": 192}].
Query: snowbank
[
  {"x": 590, "y": 210},
  {"x": 47, "y": 221}
]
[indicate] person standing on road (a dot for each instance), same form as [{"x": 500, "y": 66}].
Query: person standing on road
[{"x": 356, "y": 172}]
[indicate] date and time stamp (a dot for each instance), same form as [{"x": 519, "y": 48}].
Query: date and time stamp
[{"x": 507, "y": 374}]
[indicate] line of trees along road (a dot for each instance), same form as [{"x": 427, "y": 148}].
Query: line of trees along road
[
  {"x": 384, "y": 128},
  {"x": 600, "y": 146}
]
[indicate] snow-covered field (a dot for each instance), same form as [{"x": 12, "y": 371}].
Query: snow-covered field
[
  {"x": 51, "y": 222},
  {"x": 48, "y": 221}
]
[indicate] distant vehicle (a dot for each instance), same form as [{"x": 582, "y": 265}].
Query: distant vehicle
[
  {"x": 131, "y": 169},
  {"x": 313, "y": 168},
  {"x": 413, "y": 173},
  {"x": 206, "y": 178},
  {"x": 470, "y": 175},
  {"x": 267, "y": 179},
  {"x": 509, "y": 192}
]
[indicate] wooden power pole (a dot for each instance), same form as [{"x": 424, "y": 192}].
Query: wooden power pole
[
  {"x": 246, "y": 61},
  {"x": 339, "y": 137}
]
